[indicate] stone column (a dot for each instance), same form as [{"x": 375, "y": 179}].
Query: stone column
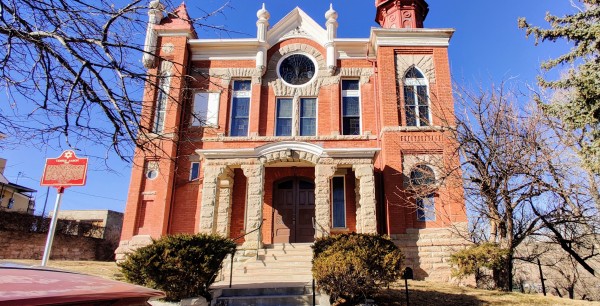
[
  {"x": 368, "y": 211},
  {"x": 358, "y": 206},
  {"x": 224, "y": 204},
  {"x": 255, "y": 175},
  {"x": 323, "y": 175},
  {"x": 209, "y": 198}
]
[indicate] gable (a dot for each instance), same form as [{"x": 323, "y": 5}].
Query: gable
[{"x": 296, "y": 24}]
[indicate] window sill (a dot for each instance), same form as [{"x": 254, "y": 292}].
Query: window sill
[
  {"x": 434, "y": 128},
  {"x": 282, "y": 138},
  {"x": 340, "y": 230}
]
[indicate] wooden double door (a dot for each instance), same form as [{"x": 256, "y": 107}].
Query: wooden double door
[{"x": 294, "y": 210}]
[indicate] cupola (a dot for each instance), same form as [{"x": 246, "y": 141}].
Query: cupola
[{"x": 395, "y": 14}]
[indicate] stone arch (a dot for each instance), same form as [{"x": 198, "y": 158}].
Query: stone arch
[
  {"x": 424, "y": 62},
  {"x": 289, "y": 151}
]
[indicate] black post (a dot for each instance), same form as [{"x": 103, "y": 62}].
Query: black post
[
  {"x": 314, "y": 294},
  {"x": 542, "y": 277},
  {"x": 406, "y": 275},
  {"x": 406, "y": 287},
  {"x": 231, "y": 270}
]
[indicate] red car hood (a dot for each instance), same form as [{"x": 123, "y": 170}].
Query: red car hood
[{"x": 33, "y": 286}]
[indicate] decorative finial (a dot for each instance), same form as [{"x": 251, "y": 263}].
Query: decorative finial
[
  {"x": 263, "y": 14},
  {"x": 331, "y": 13}
]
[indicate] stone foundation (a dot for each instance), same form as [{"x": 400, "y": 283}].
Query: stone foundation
[
  {"x": 127, "y": 246},
  {"x": 427, "y": 251}
]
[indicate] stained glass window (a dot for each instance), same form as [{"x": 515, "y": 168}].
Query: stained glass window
[{"x": 297, "y": 69}]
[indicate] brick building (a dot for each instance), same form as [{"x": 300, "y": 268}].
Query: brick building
[{"x": 302, "y": 132}]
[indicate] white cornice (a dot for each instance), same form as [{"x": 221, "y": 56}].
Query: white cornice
[
  {"x": 175, "y": 32},
  {"x": 410, "y": 37},
  {"x": 349, "y": 48},
  {"x": 287, "y": 145},
  {"x": 352, "y": 152},
  {"x": 223, "y": 49}
]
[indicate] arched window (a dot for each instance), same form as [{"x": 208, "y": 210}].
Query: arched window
[
  {"x": 422, "y": 176},
  {"x": 416, "y": 98}
]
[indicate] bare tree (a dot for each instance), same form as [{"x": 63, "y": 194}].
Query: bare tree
[
  {"x": 71, "y": 72},
  {"x": 524, "y": 181},
  {"x": 498, "y": 154}
]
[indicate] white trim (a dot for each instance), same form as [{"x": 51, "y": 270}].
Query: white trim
[
  {"x": 287, "y": 145},
  {"x": 171, "y": 32},
  {"x": 235, "y": 94},
  {"x": 345, "y": 203},
  {"x": 223, "y": 49},
  {"x": 351, "y": 152},
  {"x": 358, "y": 94},
  {"x": 415, "y": 82},
  {"x": 276, "y": 117},
  {"x": 352, "y": 48},
  {"x": 191, "y": 168},
  {"x": 300, "y": 116},
  {"x": 410, "y": 37}
]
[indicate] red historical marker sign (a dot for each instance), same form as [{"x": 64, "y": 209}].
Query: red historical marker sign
[{"x": 64, "y": 171}]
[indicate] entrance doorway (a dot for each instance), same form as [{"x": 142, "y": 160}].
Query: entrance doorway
[{"x": 294, "y": 210}]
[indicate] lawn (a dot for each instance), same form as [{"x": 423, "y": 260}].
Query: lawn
[{"x": 420, "y": 292}]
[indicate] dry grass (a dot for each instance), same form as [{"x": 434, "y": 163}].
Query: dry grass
[
  {"x": 438, "y": 294},
  {"x": 103, "y": 269},
  {"x": 421, "y": 293}
]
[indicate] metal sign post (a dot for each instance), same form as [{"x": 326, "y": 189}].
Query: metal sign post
[
  {"x": 52, "y": 228},
  {"x": 65, "y": 171}
]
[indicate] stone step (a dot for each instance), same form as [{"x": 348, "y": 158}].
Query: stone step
[
  {"x": 275, "y": 300},
  {"x": 273, "y": 293},
  {"x": 294, "y": 290},
  {"x": 288, "y": 246},
  {"x": 280, "y": 264},
  {"x": 276, "y": 255},
  {"x": 254, "y": 279},
  {"x": 269, "y": 272}
]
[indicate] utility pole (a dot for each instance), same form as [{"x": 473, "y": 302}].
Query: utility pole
[{"x": 542, "y": 277}]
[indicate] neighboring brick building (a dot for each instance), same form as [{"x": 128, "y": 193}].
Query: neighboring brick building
[{"x": 303, "y": 130}]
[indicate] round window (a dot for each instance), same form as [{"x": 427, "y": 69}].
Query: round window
[
  {"x": 297, "y": 69},
  {"x": 151, "y": 174}
]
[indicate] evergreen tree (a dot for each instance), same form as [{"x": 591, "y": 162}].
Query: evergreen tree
[{"x": 581, "y": 111}]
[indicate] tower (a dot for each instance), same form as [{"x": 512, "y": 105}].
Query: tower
[{"x": 395, "y": 14}]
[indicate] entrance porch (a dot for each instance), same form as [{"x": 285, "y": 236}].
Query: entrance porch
[{"x": 289, "y": 189}]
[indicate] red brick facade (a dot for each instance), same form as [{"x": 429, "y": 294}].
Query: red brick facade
[{"x": 376, "y": 164}]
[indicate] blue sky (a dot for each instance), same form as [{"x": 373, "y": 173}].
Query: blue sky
[{"x": 487, "y": 47}]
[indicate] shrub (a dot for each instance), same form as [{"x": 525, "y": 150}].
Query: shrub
[
  {"x": 470, "y": 261},
  {"x": 355, "y": 266},
  {"x": 182, "y": 266}
]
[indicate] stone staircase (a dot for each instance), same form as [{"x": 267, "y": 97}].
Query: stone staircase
[{"x": 281, "y": 275}]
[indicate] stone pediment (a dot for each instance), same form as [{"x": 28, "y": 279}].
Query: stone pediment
[{"x": 296, "y": 24}]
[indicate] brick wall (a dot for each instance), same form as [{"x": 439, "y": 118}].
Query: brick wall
[{"x": 15, "y": 245}]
